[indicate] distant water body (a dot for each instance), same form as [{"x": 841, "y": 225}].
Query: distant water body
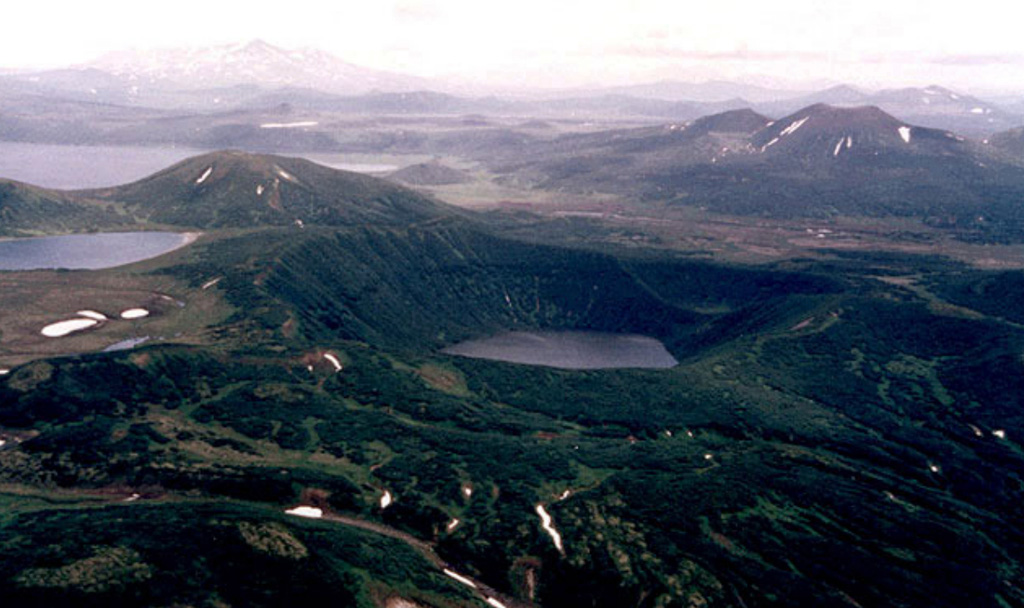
[
  {"x": 334, "y": 163},
  {"x": 74, "y": 167},
  {"x": 79, "y": 167},
  {"x": 87, "y": 251},
  {"x": 569, "y": 350}
]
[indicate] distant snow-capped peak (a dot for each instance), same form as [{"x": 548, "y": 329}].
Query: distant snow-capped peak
[{"x": 254, "y": 62}]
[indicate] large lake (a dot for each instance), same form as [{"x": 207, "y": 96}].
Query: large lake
[
  {"x": 569, "y": 350},
  {"x": 73, "y": 167},
  {"x": 87, "y": 251},
  {"x": 76, "y": 167}
]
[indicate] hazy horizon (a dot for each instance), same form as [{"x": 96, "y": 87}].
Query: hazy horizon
[{"x": 785, "y": 44}]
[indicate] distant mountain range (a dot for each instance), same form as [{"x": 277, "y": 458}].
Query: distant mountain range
[
  {"x": 931, "y": 106},
  {"x": 714, "y": 91},
  {"x": 819, "y": 161},
  {"x": 258, "y": 75}
]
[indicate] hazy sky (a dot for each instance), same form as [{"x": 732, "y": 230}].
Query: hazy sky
[{"x": 972, "y": 45}]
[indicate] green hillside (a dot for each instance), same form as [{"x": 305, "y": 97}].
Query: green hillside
[
  {"x": 27, "y": 211},
  {"x": 235, "y": 189}
]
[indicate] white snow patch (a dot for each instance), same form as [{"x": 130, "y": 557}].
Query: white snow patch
[
  {"x": 977, "y": 110},
  {"x": 708, "y": 456},
  {"x": 546, "y": 523},
  {"x": 299, "y": 223},
  {"x": 849, "y": 142},
  {"x": 454, "y": 523},
  {"x": 770, "y": 144},
  {"x": 839, "y": 146},
  {"x": 977, "y": 431},
  {"x": 4, "y": 372},
  {"x": 793, "y": 127},
  {"x": 132, "y": 498},
  {"x": 905, "y": 134},
  {"x": 565, "y": 495},
  {"x": 770, "y": 123},
  {"x": 2, "y": 442},
  {"x": 63, "y": 328},
  {"x": 467, "y": 491},
  {"x": 999, "y": 433},
  {"x": 334, "y": 361},
  {"x": 303, "y": 511},
  {"x": 134, "y": 313},
  {"x": 92, "y": 314},
  {"x": 494, "y": 602},
  {"x": 386, "y": 500},
  {"x": 211, "y": 283},
  {"x": 934, "y": 468},
  {"x": 460, "y": 578},
  {"x": 289, "y": 125},
  {"x": 206, "y": 174},
  {"x": 954, "y": 96},
  {"x": 259, "y": 190},
  {"x": 285, "y": 175}
]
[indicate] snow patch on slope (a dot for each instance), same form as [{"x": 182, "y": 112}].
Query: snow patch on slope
[
  {"x": 289, "y": 125},
  {"x": 63, "y": 328},
  {"x": 302, "y": 511},
  {"x": 546, "y": 523},
  {"x": 793, "y": 127}
]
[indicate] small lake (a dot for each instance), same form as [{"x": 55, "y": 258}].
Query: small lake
[
  {"x": 87, "y": 251},
  {"x": 569, "y": 350}
]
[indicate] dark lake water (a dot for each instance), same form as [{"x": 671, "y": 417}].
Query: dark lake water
[
  {"x": 86, "y": 251},
  {"x": 569, "y": 350}
]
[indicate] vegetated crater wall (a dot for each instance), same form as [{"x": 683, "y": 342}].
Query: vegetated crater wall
[{"x": 426, "y": 287}]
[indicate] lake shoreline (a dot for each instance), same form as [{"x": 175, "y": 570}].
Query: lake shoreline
[{"x": 568, "y": 349}]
